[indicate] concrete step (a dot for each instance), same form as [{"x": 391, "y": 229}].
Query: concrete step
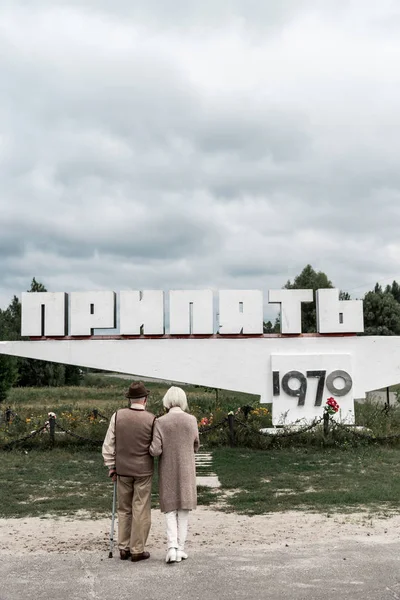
[{"x": 205, "y": 476}]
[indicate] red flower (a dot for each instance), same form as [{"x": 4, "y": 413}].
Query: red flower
[{"x": 331, "y": 406}]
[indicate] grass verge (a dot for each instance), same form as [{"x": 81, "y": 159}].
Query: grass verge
[
  {"x": 257, "y": 482},
  {"x": 60, "y": 482},
  {"x": 63, "y": 482}
]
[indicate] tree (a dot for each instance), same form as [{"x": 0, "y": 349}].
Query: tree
[
  {"x": 72, "y": 375},
  {"x": 8, "y": 364},
  {"x": 394, "y": 289},
  {"x": 8, "y": 374},
  {"x": 10, "y": 321},
  {"x": 344, "y": 295},
  {"x": 37, "y": 286},
  {"x": 40, "y": 373},
  {"x": 381, "y": 313},
  {"x": 269, "y": 328},
  {"x": 309, "y": 279}
]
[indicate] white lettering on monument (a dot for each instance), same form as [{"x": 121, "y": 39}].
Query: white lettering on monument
[
  {"x": 44, "y": 313},
  {"x": 290, "y": 301},
  {"x": 338, "y": 316},
  {"x": 240, "y": 312},
  {"x": 191, "y": 312},
  {"x": 91, "y": 310},
  {"x": 141, "y": 312}
]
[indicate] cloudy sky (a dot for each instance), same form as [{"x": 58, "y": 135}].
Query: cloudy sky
[{"x": 174, "y": 144}]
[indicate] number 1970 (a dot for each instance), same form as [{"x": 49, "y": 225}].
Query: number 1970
[{"x": 301, "y": 391}]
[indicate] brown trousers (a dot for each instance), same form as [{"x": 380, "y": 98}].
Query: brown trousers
[{"x": 134, "y": 512}]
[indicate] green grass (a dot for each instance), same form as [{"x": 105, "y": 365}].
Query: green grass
[
  {"x": 102, "y": 392},
  {"x": 109, "y": 394},
  {"x": 60, "y": 482},
  {"x": 63, "y": 482},
  {"x": 36, "y": 481},
  {"x": 304, "y": 478}
]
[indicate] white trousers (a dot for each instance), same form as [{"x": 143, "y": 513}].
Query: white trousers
[{"x": 177, "y": 526}]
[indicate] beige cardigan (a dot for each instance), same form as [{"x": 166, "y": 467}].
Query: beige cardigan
[{"x": 175, "y": 440}]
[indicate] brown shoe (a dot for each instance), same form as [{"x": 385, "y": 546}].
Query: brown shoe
[
  {"x": 141, "y": 556},
  {"x": 124, "y": 554}
]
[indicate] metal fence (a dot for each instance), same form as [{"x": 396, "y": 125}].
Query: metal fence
[{"x": 231, "y": 423}]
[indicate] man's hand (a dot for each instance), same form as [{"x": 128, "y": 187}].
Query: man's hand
[{"x": 112, "y": 473}]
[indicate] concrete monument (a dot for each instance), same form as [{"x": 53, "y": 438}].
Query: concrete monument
[{"x": 216, "y": 341}]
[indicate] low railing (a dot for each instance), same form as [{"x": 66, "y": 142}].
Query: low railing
[{"x": 231, "y": 427}]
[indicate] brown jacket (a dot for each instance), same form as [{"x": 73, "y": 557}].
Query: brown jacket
[
  {"x": 175, "y": 440},
  {"x": 133, "y": 431}
]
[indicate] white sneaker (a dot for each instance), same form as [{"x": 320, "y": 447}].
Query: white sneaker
[
  {"x": 181, "y": 555},
  {"x": 171, "y": 555}
]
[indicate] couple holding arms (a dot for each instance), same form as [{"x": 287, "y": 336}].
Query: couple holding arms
[{"x": 133, "y": 438}]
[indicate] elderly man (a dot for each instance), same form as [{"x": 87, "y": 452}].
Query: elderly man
[{"x": 126, "y": 454}]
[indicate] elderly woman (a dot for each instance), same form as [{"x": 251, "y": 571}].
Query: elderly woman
[{"x": 175, "y": 440}]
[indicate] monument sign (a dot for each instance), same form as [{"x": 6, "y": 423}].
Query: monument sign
[{"x": 216, "y": 340}]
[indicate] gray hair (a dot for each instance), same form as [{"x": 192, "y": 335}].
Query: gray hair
[{"x": 175, "y": 397}]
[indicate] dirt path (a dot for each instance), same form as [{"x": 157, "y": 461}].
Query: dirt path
[{"x": 208, "y": 529}]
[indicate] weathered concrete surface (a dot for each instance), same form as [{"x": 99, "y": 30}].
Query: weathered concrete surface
[{"x": 347, "y": 570}]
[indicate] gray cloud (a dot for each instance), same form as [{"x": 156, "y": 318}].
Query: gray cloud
[
  {"x": 176, "y": 13},
  {"x": 154, "y": 145}
]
